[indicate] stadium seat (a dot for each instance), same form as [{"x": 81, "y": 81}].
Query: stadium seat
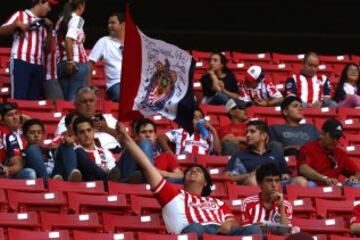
[
  {"x": 96, "y": 187},
  {"x": 47, "y": 117},
  {"x": 264, "y": 112},
  {"x": 125, "y": 188},
  {"x": 29, "y": 220},
  {"x": 296, "y": 192},
  {"x": 212, "y": 160},
  {"x": 327, "y": 226},
  {"x": 3, "y": 201},
  {"x": 331, "y": 208},
  {"x": 213, "y": 109},
  {"x": 351, "y": 193},
  {"x": 348, "y": 113},
  {"x": 114, "y": 222},
  {"x": 80, "y": 235},
  {"x": 51, "y": 221},
  {"x": 219, "y": 190},
  {"x": 49, "y": 201},
  {"x": 235, "y": 205},
  {"x": 278, "y": 237},
  {"x": 18, "y": 234},
  {"x": 334, "y": 59},
  {"x": 34, "y": 106},
  {"x": 324, "y": 112},
  {"x": 33, "y": 185},
  {"x": 287, "y": 58},
  {"x": 220, "y": 237},
  {"x": 64, "y": 106},
  {"x": 144, "y": 205},
  {"x": 303, "y": 207},
  {"x": 147, "y": 236},
  {"x": 238, "y": 191},
  {"x": 80, "y": 203},
  {"x": 239, "y": 57},
  {"x": 337, "y": 237},
  {"x": 185, "y": 160}
]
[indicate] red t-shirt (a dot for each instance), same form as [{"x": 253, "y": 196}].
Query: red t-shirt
[
  {"x": 237, "y": 129},
  {"x": 356, "y": 215},
  {"x": 334, "y": 166},
  {"x": 166, "y": 162}
]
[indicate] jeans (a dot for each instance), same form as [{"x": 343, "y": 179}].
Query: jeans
[
  {"x": 65, "y": 161},
  {"x": 213, "y": 229},
  {"x": 114, "y": 92},
  {"x": 229, "y": 148},
  {"x": 351, "y": 101},
  {"x": 219, "y": 98},
  {"x": 34, "y": 160},
  {"x": 88, "y": 168},
  {"x": 25, "y": 173},
  {"x": 128, "y": 165},
  {"x": 26, "y": 80},
  {"x": 69, "y": 84}
]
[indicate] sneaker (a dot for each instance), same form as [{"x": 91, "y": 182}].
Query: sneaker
[
  {"x": 58, "y": 177},
  {"x": 75, "y": 176}
]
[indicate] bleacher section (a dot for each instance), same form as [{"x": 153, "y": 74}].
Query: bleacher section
[{"x": 86, "y": 210}]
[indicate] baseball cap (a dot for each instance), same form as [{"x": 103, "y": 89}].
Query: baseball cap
[
  {"x": 234, "y": 103},
  {"x": 255, "y": 74},
  {"x": 287, "y": 101},
  {"x": 333, "y": 127},
  {"x": 7, "y": 107}
]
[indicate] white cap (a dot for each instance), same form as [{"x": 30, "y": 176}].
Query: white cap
[{"x": 255, "y": 74}]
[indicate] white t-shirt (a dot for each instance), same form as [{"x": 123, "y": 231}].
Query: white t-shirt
[
  {"x": 108, "y": 49},
  {"x": 107, "y": 141}
]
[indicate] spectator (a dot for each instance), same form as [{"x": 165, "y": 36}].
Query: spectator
[
  {"x": 85, "y": 105},
  {"x": 219, "y": 83},
  {"x": 92, "y": 162},
  {"x": 26, "y": 67},
  {"x": 14, "y": 166},
  {"x": 73, "y": 66},
  {"x": 289, "y": 137},
  {"x": 110, "y": 50},
  {"x": 355, "y": 221},
  {"x": 269, "y": 206},
  {"x": 165, "y": 163},
  {"x": 347, "y": 90},
  {"x": 323, "y": 161},
  {"x": 258, "y": 90},
  {"x": 192, "y": 144},
  {"x": 312, "y": 88},
  {"x": 177, "y": 203},
  {"x": 242, "y": 165},
  {"x": 233, "y": 136}
]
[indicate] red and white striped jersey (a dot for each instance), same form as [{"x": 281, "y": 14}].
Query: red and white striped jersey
[
  {"x": 254, "y": 211},
  {"x": 264, "y": 90},
  {"x": 181, "y": 208},
  {"x": 308, "y": 89},
  {"x": 102, "y": 157},
  {"x": 76, "y": 32},
  {"x": 355, "y": 218},
  {"x": 193, "y": 144},
  {"x": 27, "y": 46},
  {"x": 50, "y": 60}
]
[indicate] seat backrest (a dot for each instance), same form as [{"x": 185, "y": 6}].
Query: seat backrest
[
  {"x": 28, "y": 220},
  {"x": 147, "y": 236},
  {"x": 323, "y": 207},
  {"x": 80, "y": 235},
  {"x": 296, "y": 192},
  {"x": 114, "y": 222},
  {"x": 238, "y": 191},
  {"x": 219, "y": 237},
  {"x": 334, "y": 225},
  {"x": 125, "y": 188},
  {"x": 18, "y": 234},
  {"x": 96, "y": 187},
  {"x": 140, "y": 204},
  {"x": 70, "y": 221},
  {"x": 31, "y": 185}
]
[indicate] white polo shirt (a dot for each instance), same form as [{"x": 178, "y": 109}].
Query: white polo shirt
[{"x": 108, "y": 49}]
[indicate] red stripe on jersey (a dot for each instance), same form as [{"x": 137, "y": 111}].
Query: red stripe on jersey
[
  {"x": 182, "y": 142},
  {"x": 298, "y": 85},
  {"x": 198, "y": 216},
  {"x": 310, "y": 90},
  {"x": 187, "y": 209},
  {"x": 207, "y": 212},
  {"x": 195, "y": 148},
  {"x": 29, "y": 43},
  {"x": 321, "y": 88},
  {"x": 21, "y": 38},
  {"x": 37, "y": 42},
  {"x": 81, "y": 57}
]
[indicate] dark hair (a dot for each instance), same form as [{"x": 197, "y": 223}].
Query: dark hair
[
  {"x": 339, "y": 92},
  {"x": 309, "y": 54},
  {"x": 265, "y": 170},
  {"x": 80, "y": 120},
  {"x": 69, "y": 7},
  {"x": 207, "y": 188},
  {"x": 120, "y": 16},
  {"x": 259, "y": 125},
  {"x": 223, "y": 61},
  {"x": 26, "y": 126},
  {"x": 69, "y": 117},
  {"x": 142, "y": 122}
]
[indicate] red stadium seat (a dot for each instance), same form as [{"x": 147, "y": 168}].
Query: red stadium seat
[
  {"x": 96, "y": 187},
  {"x": 219, "y": 190},
  {"x": 186, "y": 159},
  {"x": 89, "y": 221},
  {"x": 351, "y": 193},
  {"x": 3, "y": 201},
  {"x": 80, "y": 203},
  {"x": 287, "y": 58},
  {"x": 211, "y": 160},
  {"x": 18, "y": 234},
  {"x": 20, "y": 220},
  {"x": 238, "y": 191},
  {"x": 327, "y": 226},
  {"x": 337, "y": 237},
  {"x": 144, "y": 205},
  {"x": 331, "y": 208},
  {"x": 136, "y": 223},
  {"x": 33, "y": 185},
  {"x": 147, "y": 236},
  {"x": 348, "y": 113},
  {"x": 64, "y": 106},
  {"x": 125, "y": 188},
  {"x": 303, "y": 207},
  {"x": 278, "y": 237},
  {"x": 46, "y": 117},
  {"x": 235, "y": 205},
  {"x": 50, "y": 201},
  {"x": 334, "y": 59},
  {"x": 213, "y": 109},
  {"x": 319, "y": 112},
  {"x": 35, "y": 106},
  {"x": 79, "y": 235},
  {"x": 219, "y": 237},
  {"x": 251, "y": 57},
  {"x": 296, "y": 192},
  {"x": 259, "y": 112},
  {"x": 200, "y": 56}
]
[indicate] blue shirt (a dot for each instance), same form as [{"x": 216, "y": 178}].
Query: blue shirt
[{"x": 252, "y": 160}]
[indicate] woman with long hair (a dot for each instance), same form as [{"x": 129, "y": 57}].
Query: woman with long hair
[
  {"x": 190, "y": 209},
  {"x": 219, "y": 83},
  {"x": 347, "y": 90},
  {"x": 73, "y": 65}
]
